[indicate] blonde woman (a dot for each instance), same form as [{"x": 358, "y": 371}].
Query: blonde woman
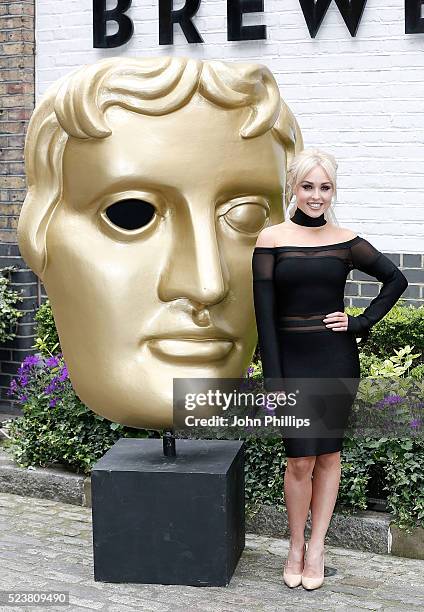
[{"x": 299, "y": 273}]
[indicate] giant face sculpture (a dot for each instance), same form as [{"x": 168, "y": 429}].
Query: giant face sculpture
[{"x": 149, "y": 181}]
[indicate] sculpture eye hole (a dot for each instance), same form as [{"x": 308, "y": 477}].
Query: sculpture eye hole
[{"x": 130, "y": 214}]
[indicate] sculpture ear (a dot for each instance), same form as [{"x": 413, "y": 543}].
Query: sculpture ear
[{"x": 44, "y": 147}]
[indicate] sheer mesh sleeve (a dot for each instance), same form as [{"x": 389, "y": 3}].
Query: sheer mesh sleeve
[
  {"x": 368, "y": 259},
  {"x": 265, "y": 311}
]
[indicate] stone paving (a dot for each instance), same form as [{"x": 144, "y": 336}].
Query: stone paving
[{"x": 46, "y": 545}]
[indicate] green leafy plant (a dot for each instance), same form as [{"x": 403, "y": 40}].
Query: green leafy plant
[
  {"x": 9, "y": 314},
  {"x": 56, "y": 427},
  {"x": 47, "y": 339},
  {"x": 418, "y": 372},
  {"x": 265, "y": 462},
  {"x": 356, "y": 462},
  {"x": 397, "y": 365},
  {"x": 402, "y": 326},
  {"x": 404, "y": 461}
]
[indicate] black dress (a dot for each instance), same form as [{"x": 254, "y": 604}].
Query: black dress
[{"x": 294, "y": 288}]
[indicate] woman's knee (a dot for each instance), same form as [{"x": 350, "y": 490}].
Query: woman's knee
[
  {"x": 328, "y": 460},
  {"x": 301, "y": 467}
]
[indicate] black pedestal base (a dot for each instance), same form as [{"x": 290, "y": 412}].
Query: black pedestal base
[{"x": 168, "y": 520}]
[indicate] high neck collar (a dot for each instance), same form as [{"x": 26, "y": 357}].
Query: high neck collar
[{"x": 302, "y": 218}]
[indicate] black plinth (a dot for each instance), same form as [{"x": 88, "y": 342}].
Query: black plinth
[{"x": 168, "y": 520}]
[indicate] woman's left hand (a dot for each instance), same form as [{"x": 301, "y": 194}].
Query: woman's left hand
[{"x": 337, "y": 321}]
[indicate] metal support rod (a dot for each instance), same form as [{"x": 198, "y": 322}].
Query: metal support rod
[{"x": 169, "y": 443}]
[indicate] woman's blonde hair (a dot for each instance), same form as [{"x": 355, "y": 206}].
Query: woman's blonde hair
[{"x": 300, "y": 166}]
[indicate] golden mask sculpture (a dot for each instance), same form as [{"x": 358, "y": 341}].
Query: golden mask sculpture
[{"x": 149, "y": 180}]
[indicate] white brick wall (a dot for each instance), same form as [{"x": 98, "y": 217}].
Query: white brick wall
[{"x": 360, "y": 98}]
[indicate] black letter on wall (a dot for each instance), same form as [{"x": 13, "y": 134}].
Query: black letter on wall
[
  {"x": 235, "y": 29},
  {"x": 314, "y": 13},
  {"x": 414, "y": 23},
  {"x": 101, "y": 16},
  {"x": 167, "y": 18}
]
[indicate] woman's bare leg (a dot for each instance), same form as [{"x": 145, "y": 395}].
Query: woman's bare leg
[
  {"x": 325, "y": 486},
  {"x": 298, "y": 494}
]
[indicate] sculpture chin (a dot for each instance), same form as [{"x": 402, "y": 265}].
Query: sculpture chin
[{"x": 133, "y": 408}]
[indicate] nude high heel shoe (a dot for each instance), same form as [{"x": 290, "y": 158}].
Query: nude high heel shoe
[
  {"x": 292, "y": 580},
  {"x": 313, "y": 583}
]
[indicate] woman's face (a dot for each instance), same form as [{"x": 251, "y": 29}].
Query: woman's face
[{"x": 314, "y": 192}]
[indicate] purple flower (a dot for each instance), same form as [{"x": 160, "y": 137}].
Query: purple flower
[
  {"x": 250, "y": 370},
  {"x": 31, "y": 360},
  {"x": 53, "y": 402},
  {"x": 390, "y": 400},
  {"x": 415, "y": 423},
  {"x": 52, "y": 362},
  {"x": 23, "y": 398},
  {"x": 393, "y": 399},
  {"x": 51, "y": 387},
  {"x": 64, "y": 374},
  {"x": 13, "y": 386},
  {"x": 24, "y": 380}
]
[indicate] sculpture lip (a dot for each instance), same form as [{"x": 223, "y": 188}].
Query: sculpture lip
[
  {"x": 185, "y": 348},
  {"x": 191, "y": 335}
]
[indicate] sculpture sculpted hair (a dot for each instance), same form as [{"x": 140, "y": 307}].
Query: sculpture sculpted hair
[
  {"x": 303, "y": 163},
  {"x": 76, "y": 104}
]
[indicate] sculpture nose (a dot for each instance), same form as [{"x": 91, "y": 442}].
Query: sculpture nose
[{"x": 195, "y": 270}]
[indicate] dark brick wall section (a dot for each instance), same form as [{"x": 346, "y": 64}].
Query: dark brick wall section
[
  {"x": 361, "y": 288},
  {"x": 13, "y": 352}
]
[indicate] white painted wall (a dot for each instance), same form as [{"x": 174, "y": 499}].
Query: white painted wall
[{"x": 359, "y": 98}]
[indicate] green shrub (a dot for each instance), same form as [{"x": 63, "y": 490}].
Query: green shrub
[
  {"x": 404, "y": 469},
  {"x": 402, "y": 463},
  {"x": 355, "y": 463},
  {"x": 9, "y": 314},
  {"x": 265, "y": 462},
  {"x": 367, "y": 360},
  {"x": 401, "y": 326},
  {"x": 56, "y": 427},
  {"x": 47, "y": 339},
  {"x": 418, "y": 371}
]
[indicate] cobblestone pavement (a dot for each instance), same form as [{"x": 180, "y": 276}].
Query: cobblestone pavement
[{"x": 47, "y": 545}]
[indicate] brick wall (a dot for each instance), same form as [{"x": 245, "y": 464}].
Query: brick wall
[
  {"x": 361, "y": 288},
  {"x": 16, "y": 104}
]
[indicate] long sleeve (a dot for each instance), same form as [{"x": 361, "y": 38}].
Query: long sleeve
[
  {"x": 265, "y": 311},
  {"x": 368, "y": 259}
]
